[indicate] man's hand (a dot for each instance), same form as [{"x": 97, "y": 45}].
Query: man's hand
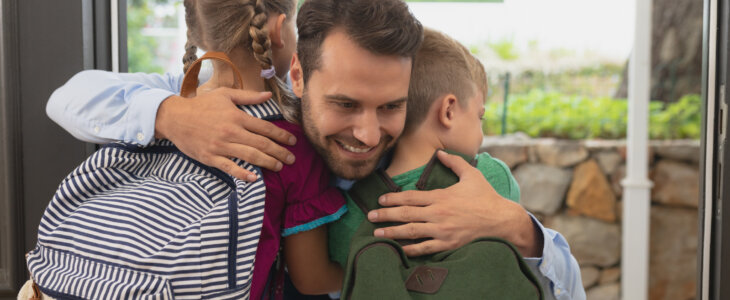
[
  {"x": 211, "y": 129},
  {"x": 456, "y": 215}
]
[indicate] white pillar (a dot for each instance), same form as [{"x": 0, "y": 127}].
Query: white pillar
[
  {"x": 114, "y": 13},
  {"x": 636, "y": 199}
]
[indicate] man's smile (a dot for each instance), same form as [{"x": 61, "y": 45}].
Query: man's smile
[{"x": 354, "y": 149}]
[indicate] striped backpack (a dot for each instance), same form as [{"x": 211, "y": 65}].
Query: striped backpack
[{"x": 151, "y": 223}]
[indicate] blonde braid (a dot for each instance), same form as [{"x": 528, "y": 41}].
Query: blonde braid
[
  {"x": 261, "y": 46},
  {"x": 190, "y": 55},
  {"x": 191, "y": 49},
  {"x": 260, "y": 42}
]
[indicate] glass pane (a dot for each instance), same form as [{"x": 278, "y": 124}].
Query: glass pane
[
  {"x": 557, "y": 69},
  {"x": 155, "y": 35}
]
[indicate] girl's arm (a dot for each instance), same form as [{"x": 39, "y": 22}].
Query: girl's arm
[{"x": 308, "y": 262}]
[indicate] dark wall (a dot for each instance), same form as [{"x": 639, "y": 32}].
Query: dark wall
[
  {"x": 43, "y": 44},
  {"x": 51, "y": 50}
]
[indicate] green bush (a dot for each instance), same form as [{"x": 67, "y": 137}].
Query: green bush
[
  {"x": 679, "y": 120},
  {"x": 540, "y": 114}
]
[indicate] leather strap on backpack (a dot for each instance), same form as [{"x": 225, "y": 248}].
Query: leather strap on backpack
[
  {"x": 37, "y": 295},
  {"x": 190, "y": 81}
]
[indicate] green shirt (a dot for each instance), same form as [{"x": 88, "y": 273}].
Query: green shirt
[{"x": 341, "y": 231}]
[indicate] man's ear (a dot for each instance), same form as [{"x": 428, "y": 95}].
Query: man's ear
[
  {"x": 447, "y": 110},
  {"x": 296, "y": 76},
  {"x": 277, "y": 40}
]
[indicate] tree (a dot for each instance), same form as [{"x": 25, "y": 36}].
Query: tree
[{"x": 676, "y": 51}]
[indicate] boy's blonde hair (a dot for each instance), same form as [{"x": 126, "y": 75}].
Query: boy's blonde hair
[{"x": 442, "y": 66}]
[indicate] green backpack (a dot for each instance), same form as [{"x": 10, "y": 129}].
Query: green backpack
[{"x": 377, "y": 268}]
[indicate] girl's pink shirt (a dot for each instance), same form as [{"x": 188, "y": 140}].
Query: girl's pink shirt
[{"x": 298, "y": 198}]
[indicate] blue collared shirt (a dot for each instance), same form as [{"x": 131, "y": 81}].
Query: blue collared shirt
[{"x": 100, "y": 107}]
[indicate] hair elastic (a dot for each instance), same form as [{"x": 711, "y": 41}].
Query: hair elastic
[{"x": 268, "y": 73}]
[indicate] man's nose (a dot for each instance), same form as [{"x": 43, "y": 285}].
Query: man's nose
[{"x": 367, "y": 129}]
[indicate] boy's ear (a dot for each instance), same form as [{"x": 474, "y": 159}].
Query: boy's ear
[
  {"x": 447, "y": 110},
  {"x": 275, "y": 35},
  {"x": 296, "y": 76}
]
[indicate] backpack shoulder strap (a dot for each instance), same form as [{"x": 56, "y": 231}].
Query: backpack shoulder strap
[
  {"x": 190, "y": 80},
  {"x": 365, "y": 192},
  {"x": 438, "y": 176}
]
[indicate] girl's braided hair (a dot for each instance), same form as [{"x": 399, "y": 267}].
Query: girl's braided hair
[{"x": 222, "y": 25}]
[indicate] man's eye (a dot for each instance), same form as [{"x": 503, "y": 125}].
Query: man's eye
[
  {"x": 346, "y": 104},
  {"x": 393, "y": 106}
]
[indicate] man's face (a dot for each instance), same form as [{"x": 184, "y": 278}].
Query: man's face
[{"x": 354, "y": 104}]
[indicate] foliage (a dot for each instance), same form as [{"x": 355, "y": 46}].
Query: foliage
[
  {"x": 541, "y": 114},
  {"x": 595, "y": 81},
  {"x": 505, "y": 49},
  {"x": 141, "y": 49},
  {"x": 681, "y": 119}
]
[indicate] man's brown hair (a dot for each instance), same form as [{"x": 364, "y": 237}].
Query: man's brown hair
[
  {"x": 384, "y": 27},
  {"x": 442, "y": 66}
]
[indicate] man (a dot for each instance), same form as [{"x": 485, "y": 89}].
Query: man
[{"x": 353, "y": 93}]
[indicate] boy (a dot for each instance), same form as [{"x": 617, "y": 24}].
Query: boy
[{"x": 446, "y": 98}]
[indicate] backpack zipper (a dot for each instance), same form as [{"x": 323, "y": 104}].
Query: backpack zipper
[{"x": 232, "y": 238}]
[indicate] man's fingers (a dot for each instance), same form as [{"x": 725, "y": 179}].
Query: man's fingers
[
  {"x": 245, "y": 97},
  {"x": 398, "y": 214},
  {"x": 408, "y": 231},
  {"x": 267, "y": 129},
  {"x": 455, "y": 163},
  {"x": 228, "y": 166},
  {"x": 426, "y": 247},
  {"x": 409, "y": 198},
  {"x": 261, "y": 149},
  {"x": 253, "y": 156}
]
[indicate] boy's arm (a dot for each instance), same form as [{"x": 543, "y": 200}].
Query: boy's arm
[
  {"x": 100, "y": 107},
  {"x": 308, "y": 263}
]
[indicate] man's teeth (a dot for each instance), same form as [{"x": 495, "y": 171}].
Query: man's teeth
[{"x": 355, "y": 150}]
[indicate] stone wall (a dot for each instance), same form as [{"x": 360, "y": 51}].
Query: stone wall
[{"x": 574, "y": 187}]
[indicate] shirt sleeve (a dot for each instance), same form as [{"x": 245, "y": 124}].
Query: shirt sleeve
[
  {"x": 499, "y": 176},
  {"x": 557, "y": 270},
  {"x": 311, "y": 201},
  {"x": 100, "y": 106}
]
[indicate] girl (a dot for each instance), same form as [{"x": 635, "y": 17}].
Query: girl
[
  {"x": 97, "y": 241},
  {"x": 259, "y": 38}
]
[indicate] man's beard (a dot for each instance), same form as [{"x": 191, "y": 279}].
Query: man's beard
[{"x": 345, "y": 168}]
